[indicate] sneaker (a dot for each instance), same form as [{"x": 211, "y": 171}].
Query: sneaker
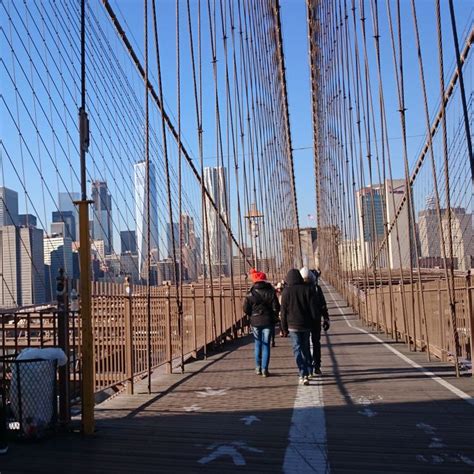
[
  {"x": 273, "y": 344},
  {"x": 304, "y": 381},
  {"x": 317, "y": 371},
  {"x": 258, "y": 371},
  {"x": 265, "y": 373},
  {"x": 311, "y": 375},
  {"x": 3, "y": 449}
]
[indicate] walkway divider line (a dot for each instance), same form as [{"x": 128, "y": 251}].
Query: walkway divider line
[
  {"x": 307, "y": 450},
  {"x": 466, "y": 397}
]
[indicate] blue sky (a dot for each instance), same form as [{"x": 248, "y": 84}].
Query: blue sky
[{"x": 54, "y": 148}]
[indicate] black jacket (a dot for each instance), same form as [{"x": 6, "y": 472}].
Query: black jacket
[
  {"x": 301, "y": 304},
  {"x": 261, "y": 304}
]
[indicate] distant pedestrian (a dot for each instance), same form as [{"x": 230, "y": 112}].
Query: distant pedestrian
[
  {"x": 261, "y": 306},
  {"x": 321, "y": 312},
  {"x": 298, "y": 312}
]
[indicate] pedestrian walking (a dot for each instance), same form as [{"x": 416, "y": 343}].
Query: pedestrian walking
[
  {"x": 261, "y": 306},
  {"x": 321, "y": 312},
  {"x": 298, "y": 311}
]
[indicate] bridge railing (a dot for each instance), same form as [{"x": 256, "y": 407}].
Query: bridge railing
[
  {"x": 120, "y": 329},
  {"x": 419, "y": 315}
]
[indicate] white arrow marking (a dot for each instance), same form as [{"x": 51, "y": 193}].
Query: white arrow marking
[
  {"x": 231, "y": 450},
  {"x": 210, "y": 392},
  {"x": 248, "y": 420},
  {"x": 192, "y": 408}
]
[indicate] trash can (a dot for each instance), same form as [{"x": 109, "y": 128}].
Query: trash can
[{"x": 29, "y": 394}]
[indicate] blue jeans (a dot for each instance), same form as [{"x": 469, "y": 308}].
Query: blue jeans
[
  {"x": 301, "y": 350},
  {"x": 262, "y": 346}
]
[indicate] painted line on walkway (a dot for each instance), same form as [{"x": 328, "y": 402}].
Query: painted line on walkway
[
  {"x": 307, "y": 450},
  {"x": 466, "y": 397}
]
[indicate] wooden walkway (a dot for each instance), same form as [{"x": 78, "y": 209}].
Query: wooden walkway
[{"x": 373, "y": 410}]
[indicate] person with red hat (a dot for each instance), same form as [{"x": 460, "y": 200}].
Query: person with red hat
[{"x": 261, "y": 306}]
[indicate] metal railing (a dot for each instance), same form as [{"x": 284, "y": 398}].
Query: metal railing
[
  {"x": 419, "y": 315},
  {"x": 119, "y": 317}
]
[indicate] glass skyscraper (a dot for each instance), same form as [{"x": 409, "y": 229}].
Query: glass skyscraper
[{"x": 141, "y": 197}]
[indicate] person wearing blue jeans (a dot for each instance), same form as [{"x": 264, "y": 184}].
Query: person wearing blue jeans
[
  {"x": 301, "y": 350},
  {"x": 300, "y": 308},
  {"x": 262, "y": 337},
  {"x": 261, "y": 306}
]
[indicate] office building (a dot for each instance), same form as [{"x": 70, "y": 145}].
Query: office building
[
  {"x": 27, "y": 220},
  {"x": 376, "y": 206},
  {"x": 8, "y": 207},
  {"x": 128, "y": 242},
  {"x": 141, "y": 199},
  {"x": 57, "y": 254},
  {"x": 69, "y": 220},
  {"x": 217, "y": 252},
  {"x": 66, "y": 204},
  {"x": 431, "y": 243},
  {"x": 102, "y": 214},
  {"x": 21, "y": 266}
]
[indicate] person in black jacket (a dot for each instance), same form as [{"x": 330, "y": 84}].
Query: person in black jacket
[
  {"x": 322, "y": 311},
  {"x": 299, "y": 310},
  {"x": 262, "y": 306}
]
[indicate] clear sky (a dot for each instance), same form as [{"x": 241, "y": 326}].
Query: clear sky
[{"x": 52, "y": 150}]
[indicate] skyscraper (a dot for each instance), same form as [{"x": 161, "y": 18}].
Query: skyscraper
[
  {"x": 128, "y": 241},
  {"x": 141, "y": 198},
  {"x": 27, "y": 220},
  {"x": 102, "y": 214},
  {"x": 169, "y": 240},
  {"x": 21, "y": 263},
  {"x": 69, "y": 220},
  {"x": 8, "y": 207},
  {"x": 218, "y": 250},
  {"x": 376, "y": 206},
  {"x": 66, "y": 204},
  {"x": 10, "y": 283}
]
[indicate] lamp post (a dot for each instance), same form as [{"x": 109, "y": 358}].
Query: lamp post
[{"x": 253, "y": 216}]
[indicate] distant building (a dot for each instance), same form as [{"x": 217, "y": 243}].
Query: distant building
[
  {"x": 128, "y": 242},
  {"x": 57, "y": 254},
  {"x": 218, "y": 252},
  {"x": 169, "y": 240},
  {"x": 10, "y": 283},
  {"x": 66, "y": 204},
  {"x": 431, "y": 244},
  {"x": 27, "y": 220},
  {"x": 376, "y": 206},
  {"x": 8, "y": 207},
  {"x": 129, "y": 266},
  {"x": 191, "y": 249},
  {"x": 69, "y": 220},
  {"x": 102, "y": 214},
  {"x": 141, "y": 198},
  {"x": 21, "y": 265}
]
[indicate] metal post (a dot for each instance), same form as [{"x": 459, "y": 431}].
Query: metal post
[
  {"x": 470, "y": 313},
  {"x": 63, "y": 342},
  {"x": 87, "y": 349},
  {"x": 193, "y": 296},
  {"x": 169, "y": 342},
  {"x": 128, "y": 336}
]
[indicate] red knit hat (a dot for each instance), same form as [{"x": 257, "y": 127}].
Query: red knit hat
[{"x": 257, "y": 276}]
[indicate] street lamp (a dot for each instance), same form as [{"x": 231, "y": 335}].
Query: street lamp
[{"x": 253, "y": 216}]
